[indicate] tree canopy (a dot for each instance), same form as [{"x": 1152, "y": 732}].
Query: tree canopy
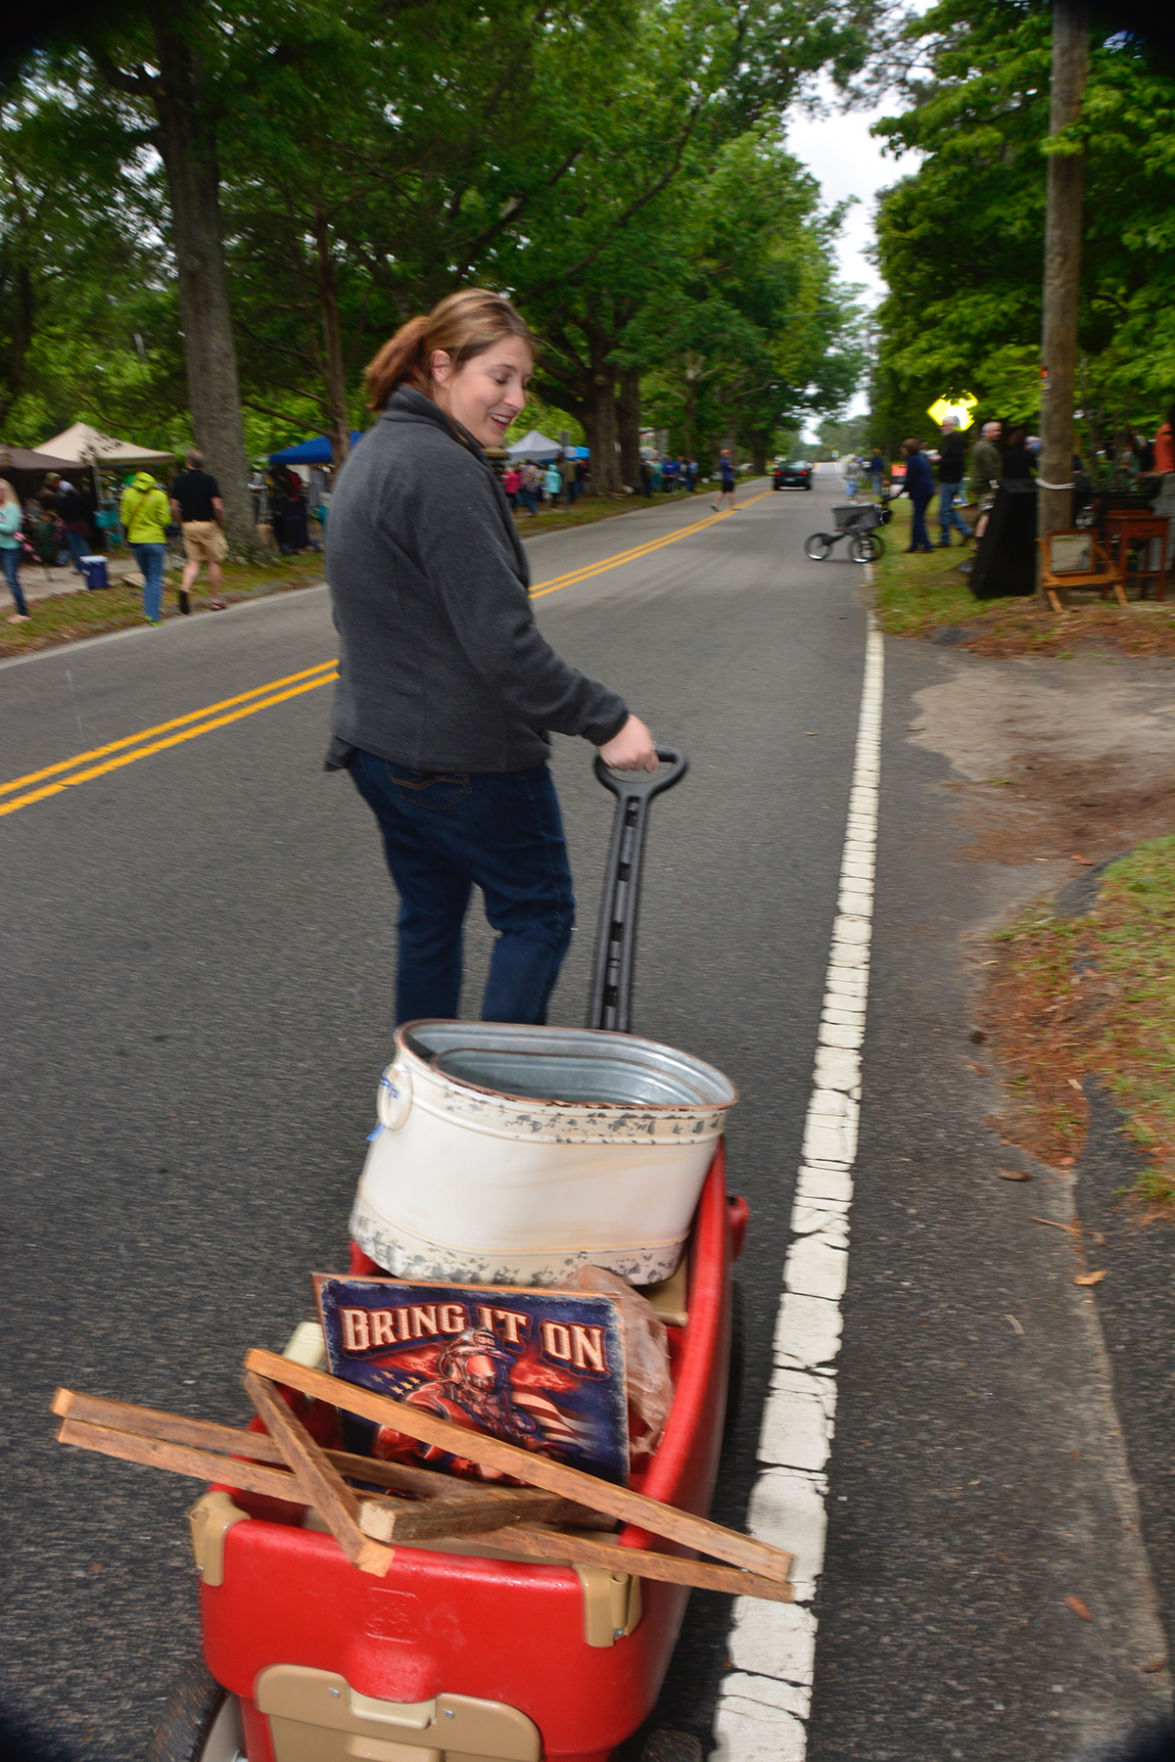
[
  {"x": 960, "y": 241},
  {"x": 212, "y": 212}
]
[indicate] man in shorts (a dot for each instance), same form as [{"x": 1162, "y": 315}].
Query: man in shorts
[
  {"x": 726, "y": 480},
  {"x": 196, "y": 504}
]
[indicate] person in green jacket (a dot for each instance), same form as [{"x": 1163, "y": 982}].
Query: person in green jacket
[{"x": 145, "y": 512}]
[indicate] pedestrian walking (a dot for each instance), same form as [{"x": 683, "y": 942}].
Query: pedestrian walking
[
  {"x": 196, "y": 504},
  {"x": 553, "y": 483},
  {"x": 567, "y": 474},
  {"x": 446, "y": 736},
  {"x": 726, "y": 480},
  {"x": 11, "y": 523},
  {"x": 530, "y": 487},
  {"x": 512, "y": 483},
  {"x": 919, "y": 486},
  {"x": 144, "y": 513},
  {"x": 952, "y": 462},
  {"x": 876, "y": 470},
  {"x": 850, "y": 469}
]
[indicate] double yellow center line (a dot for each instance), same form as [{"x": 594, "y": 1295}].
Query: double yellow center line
[
  {"x": 263, "y": 697},
  {"x": 99, "y": 760}
]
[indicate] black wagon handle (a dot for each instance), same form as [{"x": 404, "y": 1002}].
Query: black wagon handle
[{"x": 613, "y": 963}]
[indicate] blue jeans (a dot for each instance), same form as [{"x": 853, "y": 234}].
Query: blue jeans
[
  {"x": 445, "y": 833},
  {"x": 948, "y": 515},
  {"x": 919, "y": 537},
  {"x": 11, "y": 561},
  {"x": 79, "y": 547},
  {"x": 151, "y": 559}
]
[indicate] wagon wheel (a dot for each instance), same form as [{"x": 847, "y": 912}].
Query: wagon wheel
[
  {"x": 865, "y": 547},
  {"x": 202, "y": 1722},
  {"x": 819, "y": 546}
]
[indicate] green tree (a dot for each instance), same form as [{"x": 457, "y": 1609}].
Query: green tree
[{"x": 960, "y": 241}]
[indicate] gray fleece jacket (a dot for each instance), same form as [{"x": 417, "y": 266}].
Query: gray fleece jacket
[{"x": 442, "y": 665}]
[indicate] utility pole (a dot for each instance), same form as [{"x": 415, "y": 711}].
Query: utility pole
[{"x": 1062, "y": 270}]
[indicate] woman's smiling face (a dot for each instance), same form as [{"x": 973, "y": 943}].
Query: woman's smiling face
[{"x": 487, "y": 393}]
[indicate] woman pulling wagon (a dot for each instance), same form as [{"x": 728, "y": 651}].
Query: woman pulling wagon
[{"x": 447, "y": 688}]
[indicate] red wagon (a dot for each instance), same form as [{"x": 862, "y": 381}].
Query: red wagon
[{"x": 462, "y": 1654}]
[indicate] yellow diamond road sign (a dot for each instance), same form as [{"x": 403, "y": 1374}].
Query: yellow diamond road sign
[{"x": 959, "y": 408}]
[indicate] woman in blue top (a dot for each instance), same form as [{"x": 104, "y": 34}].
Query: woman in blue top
[{"x": 10, "y": 524}]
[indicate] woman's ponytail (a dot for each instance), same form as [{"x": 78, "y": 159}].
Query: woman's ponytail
[{"x": 401, "y": 361}]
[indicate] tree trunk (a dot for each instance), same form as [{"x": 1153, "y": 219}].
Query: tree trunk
[
  {"x": 1062, "y": 267},
  {"x": 187, "y": 142},
  {"x": 21, "y": 339},
  {"x": 605, "y": 461},
  {"x": 334, "y": 373},
  {"x": 628, "y": 410},
  {"x": 693, "y": 366}
]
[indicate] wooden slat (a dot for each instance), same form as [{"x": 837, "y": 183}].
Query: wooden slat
[
  {"x": 439, "y": 1519},
  {"x": 513, "y": 1503},
  {"x": 539, "y": 1471},
  {"x": 432, "y": 1521},
  {"x": 201, "y": 1465},
  {"x": 378, "y": 1517},
  {"x": 558, "y": 1548},
  {"x": 336, "y": 1503}
]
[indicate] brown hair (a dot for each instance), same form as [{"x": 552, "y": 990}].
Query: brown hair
[{"x": 463, "y": 325}]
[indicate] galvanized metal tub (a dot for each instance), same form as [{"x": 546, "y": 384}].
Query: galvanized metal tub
[{"x": 512, "y": 1155}]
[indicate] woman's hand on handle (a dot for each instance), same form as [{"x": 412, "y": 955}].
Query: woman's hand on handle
[{"x": 633, "y": 749}]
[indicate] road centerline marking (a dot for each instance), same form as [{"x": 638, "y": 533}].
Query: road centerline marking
[
  {"x": 112, "y": 746},
  {"x": 765, "y": 1698}
]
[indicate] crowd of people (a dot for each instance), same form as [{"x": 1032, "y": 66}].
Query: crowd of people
[
  {"x": 60, "y": 524},
  {"x": 55, "y": 524},
  {"x": 665, "y": 473},
  {"x": 968, "y": 474},
  {"x": 531, "y": 484}
]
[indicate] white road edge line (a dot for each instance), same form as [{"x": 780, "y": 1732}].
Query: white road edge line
[{"x": 765, "y": 1698}]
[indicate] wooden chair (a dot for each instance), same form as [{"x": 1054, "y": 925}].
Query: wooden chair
[
  {"x": 1076, "y": 557},
  {"x": 1139, "y": 537}
]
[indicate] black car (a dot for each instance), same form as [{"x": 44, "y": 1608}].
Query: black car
[{"x": 797, "y": 475}]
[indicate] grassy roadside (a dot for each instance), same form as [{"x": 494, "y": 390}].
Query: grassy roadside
[
  {"x": 917, "y": 595},
  {"x": 1094, "y": 995},
  {"x": 66, "y": 617}
]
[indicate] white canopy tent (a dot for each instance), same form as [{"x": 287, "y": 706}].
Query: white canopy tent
[
  {"x": 88, "y": 446},
  {"x": 534, "y": 446}
]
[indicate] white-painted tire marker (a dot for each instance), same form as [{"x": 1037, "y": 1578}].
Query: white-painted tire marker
[{"x": 765, "y": 1699}]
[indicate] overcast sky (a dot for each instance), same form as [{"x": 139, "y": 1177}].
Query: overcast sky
[{"x": 846, "y": 161}]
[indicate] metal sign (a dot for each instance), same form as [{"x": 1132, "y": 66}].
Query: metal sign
[{"x": 960, "y": 408}]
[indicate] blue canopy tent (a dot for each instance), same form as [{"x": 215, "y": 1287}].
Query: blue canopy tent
[{"x": 310, "y": 452}]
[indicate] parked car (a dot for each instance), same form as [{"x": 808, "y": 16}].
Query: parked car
[{"x": 797, "y": 475}]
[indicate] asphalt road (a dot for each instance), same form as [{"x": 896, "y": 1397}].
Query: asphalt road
[{"x": 197, "y": 994}]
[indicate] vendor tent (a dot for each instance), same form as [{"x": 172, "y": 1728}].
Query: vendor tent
[
  {"x": 83, "y": 445},
  {"x": 25, "y": 459},
  {"x": 310, "y": 452},
  {"x": 535, "y": 446}
]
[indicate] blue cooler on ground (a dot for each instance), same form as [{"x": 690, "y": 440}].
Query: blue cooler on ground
[{"x": 94, "y": 570}]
